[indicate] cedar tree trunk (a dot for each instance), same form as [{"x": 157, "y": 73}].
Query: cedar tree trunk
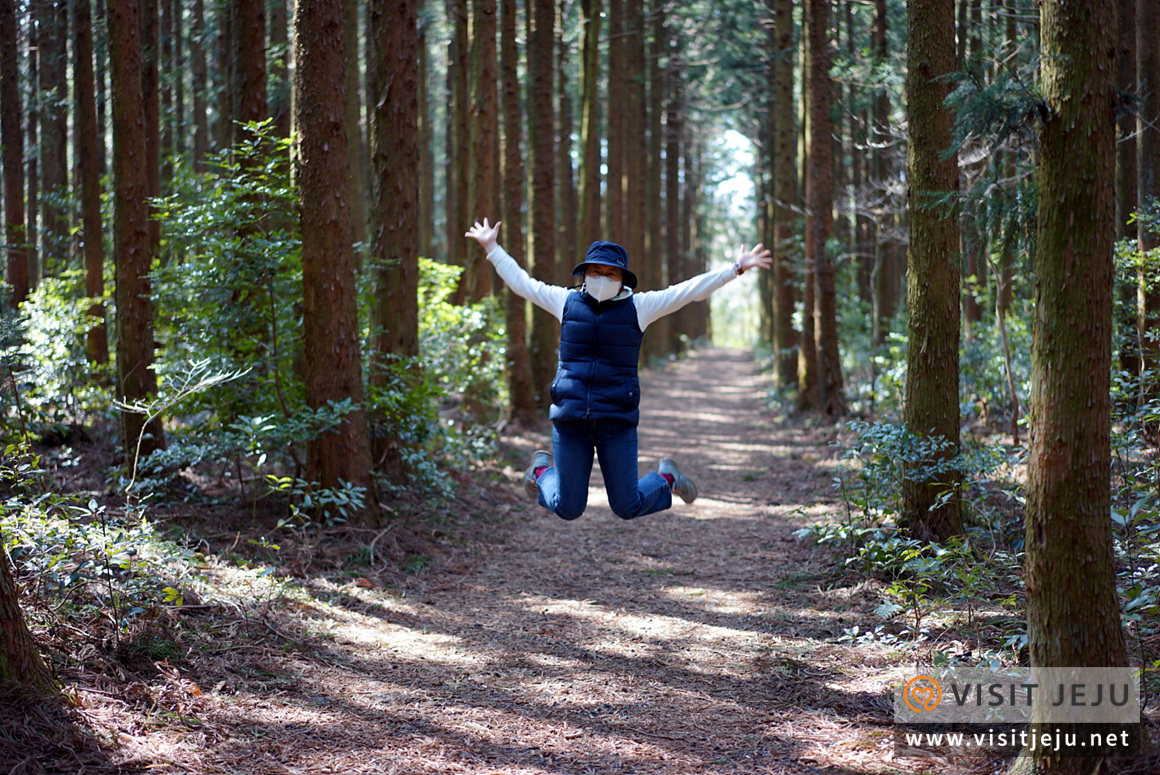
[
  {"x": 932, "y": 375},
  {"x": 329, "y": 311}
]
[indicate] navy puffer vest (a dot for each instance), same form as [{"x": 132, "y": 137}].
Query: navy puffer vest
[{"x": 599, "y": 350}]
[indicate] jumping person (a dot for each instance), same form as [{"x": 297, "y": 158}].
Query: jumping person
[{"x": 596, "y": 392}]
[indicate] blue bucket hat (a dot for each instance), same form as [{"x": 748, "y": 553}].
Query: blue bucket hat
[{"x": 608, "y": 254}]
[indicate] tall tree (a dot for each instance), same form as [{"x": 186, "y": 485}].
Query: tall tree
[
  {"x": 1073, "y": 613},
  {"x": 884, "y": 277},
  {"x": 200, "y": 85},
  {"x": 353, "y": 74},
  {"x": 133, "y": 244},
  {"x": 784, "y": 180},
  {"x": 250, "y": 24},
  {"x": 224, "y": 75},
  {"x": 21, "y": 665},
  {"x": 808, "y": 390},
  {"x": 568, "y": 239},
  {"x": 32, "y": 170},
  {"x": 1148, "y": 189},
  {"x": 1125, "y": 175},
  {"x": 333, "y": 371},
  {"x": 652, "y": 270},
  {"x": 177, "y": 120},
  {"x": 635, "y": 131},
  {"x": 168, "y": 76},
  {"x": 278, "y": 80},
  {"x": 618, "y": 74},
  {"x": 819, "y": 211},
  {"x": 1125, "y": 121},
  {"x": 485, "y": 132},
  {"x": 90, "y": 180},
  {"x": 458, "y": 185},
  {"x": 674, "y": 129},
  {"x": 541, "y": 138},
  {"x": 972, "y": 237},
  {"x": 590, "y": 156},
  {"x": 932, "y": 373},
  {"x": 521, "y": 389},
  {"x": 393, "y": 99},
  {"x": 101, "y": 67},
  {"x": 426, "y": 155},
  {"x": 12, "y": 138},
  {"x": 150, "y": 20},
  {"x": 52, "y": 24}
]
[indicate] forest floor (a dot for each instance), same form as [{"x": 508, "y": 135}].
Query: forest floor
[{"x": 704, "y": 639}]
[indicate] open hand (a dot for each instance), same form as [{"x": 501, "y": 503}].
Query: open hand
[
  {"x": 484, "y": 234},
  {"x": 758, "y": 256}
]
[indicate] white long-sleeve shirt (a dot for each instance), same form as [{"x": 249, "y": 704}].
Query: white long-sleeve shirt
[{"x": 650, "y": 305}]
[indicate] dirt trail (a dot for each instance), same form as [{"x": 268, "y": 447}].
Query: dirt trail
[{"x": 700, "y": 640}]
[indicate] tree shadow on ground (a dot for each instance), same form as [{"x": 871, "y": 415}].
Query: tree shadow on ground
[{"x": 46, "y": 737}]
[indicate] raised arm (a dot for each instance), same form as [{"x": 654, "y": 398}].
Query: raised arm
[
  {"x": 653, "y": 305},
  {"x": 549, "y": 297}
]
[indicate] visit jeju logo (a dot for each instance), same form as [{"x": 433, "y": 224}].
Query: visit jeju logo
[{"x": 922, "y": 693}]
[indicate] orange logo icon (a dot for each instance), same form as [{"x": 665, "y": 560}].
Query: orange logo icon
[{"x": 922, "y": 693}]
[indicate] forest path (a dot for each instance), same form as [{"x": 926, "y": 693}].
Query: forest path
[{"x": 700, "y": 640}]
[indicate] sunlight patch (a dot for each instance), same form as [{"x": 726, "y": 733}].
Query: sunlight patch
[
  {"x": 668, "y": 628},
  {"x": 718, "y": 600}
]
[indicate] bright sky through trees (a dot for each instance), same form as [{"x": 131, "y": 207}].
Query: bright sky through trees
[{"x": 736, "y": 309}]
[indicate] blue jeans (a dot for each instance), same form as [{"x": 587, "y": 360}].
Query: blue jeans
[{"x": 564, "y": 488}]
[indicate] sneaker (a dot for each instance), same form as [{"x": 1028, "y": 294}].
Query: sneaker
[
  {"x": 682, "y": 485},
  {"x": 539, "y": 458}
]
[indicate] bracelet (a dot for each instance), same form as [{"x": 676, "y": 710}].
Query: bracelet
[{"x": 737, "y": 268}]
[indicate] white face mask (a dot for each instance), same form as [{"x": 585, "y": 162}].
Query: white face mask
[{"x": 601, "y": 288}]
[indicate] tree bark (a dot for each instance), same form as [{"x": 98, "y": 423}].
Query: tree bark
[
  {"x": 177, "y": 121},
  {"x": 354, "y": 132},
  {"x": 151, "y": 107},
  {"x": 459, "y": 136},
  {"x": 521, "y": 388},
  {"x": 884, "y": 275},
  {"x": 1148, "y": 146},
  {"x": 932, "y": 374},
  {"x": 652, "y": 271},
  {"x": 329, "y": 311},
  {"x": 90, "y": 178},
  {"x": 541, "y": 138},
  {"x": 12, "y": 138},
  {"x": 635, "y": 133},
  {"x": 1073, "y": 613},
  {"x": 278, "y": 80},
  {"x": 21, "y": 666},
  {"x": 250, "y": 24},
  {"x": 133, "y": 244},
  {"x": 485, "y": 134},
  {"x": 808, "y": 389},
  {"x": 224, "y": 80},
  {"x": 784, "y": 154},
  {"x": 426, "y": 157},
  {"x": 819, "y": 212},
  {"x": 674, "y": 129},
  {"x": 53, "y": 113},
  {"x": 615, "y": 214},
  {"x": 32, "y": 170},
  {"x": 167, "y": 77},
  {"x": 590, "y": 155},
  {"x": 1126, "y": 201},
  {"x": 101, "y": 54},
  {"x": 200, "y": 84},
  {"x": 568, "y": 241},
  {"x": 392, "y": 96}
]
